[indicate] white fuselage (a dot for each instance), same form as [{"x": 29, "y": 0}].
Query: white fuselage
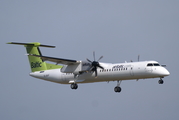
[{"x": 111, "y": 72}]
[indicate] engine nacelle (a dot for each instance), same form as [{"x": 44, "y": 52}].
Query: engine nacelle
[{"x": 76, "y": 68}]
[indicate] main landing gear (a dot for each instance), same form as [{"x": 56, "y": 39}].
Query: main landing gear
[
  {"x": 160, "y": 81},
  {"x": 118, "y": 88},
  {"x": 74, "y": 86}
]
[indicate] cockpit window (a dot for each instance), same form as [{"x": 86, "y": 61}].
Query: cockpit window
[
  {"x": 149, "y": 64},
  {"x": 156, "y": 64},
  {"x": 153, "y": 64}
]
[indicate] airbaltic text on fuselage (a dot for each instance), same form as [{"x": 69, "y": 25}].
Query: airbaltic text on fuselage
[
  {"x": 117, "y": 66},
  {"x": 120, "y": 66},
  {"x": 36, "y": 64}
]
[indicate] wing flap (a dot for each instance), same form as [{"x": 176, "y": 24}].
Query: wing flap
[{"x": 56, "y": 60}]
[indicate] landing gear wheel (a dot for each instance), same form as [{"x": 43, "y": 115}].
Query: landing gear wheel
[
  {"x": 160, "y": 81},
  {"x": 117, "y": 89},
  {"x": 74, "y": 86}
]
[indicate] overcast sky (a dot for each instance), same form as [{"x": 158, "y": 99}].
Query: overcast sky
[{"x": 119, "y": 30}]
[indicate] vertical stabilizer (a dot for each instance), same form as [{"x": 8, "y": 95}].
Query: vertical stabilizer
[{"x": 36, "y": 63}]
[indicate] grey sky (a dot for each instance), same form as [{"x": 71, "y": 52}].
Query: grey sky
[{"x": 119, "y": 30}]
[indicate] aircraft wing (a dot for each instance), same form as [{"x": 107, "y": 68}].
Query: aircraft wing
[{"x": 57, "y": 60}]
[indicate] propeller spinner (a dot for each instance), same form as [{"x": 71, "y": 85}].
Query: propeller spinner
[{"x": 95, "y": 64}]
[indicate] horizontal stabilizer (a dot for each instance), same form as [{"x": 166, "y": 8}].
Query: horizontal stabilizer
[{"x": 35, "y": 44}]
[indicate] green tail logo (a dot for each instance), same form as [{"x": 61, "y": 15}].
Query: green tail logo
[{"x": 36, "y": 63}]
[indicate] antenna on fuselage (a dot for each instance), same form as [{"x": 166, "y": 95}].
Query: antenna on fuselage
[{"x": 138, "y": 58}]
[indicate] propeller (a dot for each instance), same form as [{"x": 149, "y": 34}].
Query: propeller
[{"x": 95, "y": 64}]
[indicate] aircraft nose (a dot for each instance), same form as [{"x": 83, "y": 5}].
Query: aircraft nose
[{"x": 166, "y": 72}]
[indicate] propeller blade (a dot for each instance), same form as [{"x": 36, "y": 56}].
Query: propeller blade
[
  {"x": 100, "y": 58},
  {"x": 94, "y": 55},
  {"x": 100, "y": 67},
  {"x": 96, "y": 73},
  {"x": 92, "y": 68},
  {"x": 88, "y": 60}
]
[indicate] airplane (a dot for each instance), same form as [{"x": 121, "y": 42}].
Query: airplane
[{"x": 74, "y": 72}]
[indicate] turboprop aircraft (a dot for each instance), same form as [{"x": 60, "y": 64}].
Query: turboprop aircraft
[{"x": 74, "y": 72}]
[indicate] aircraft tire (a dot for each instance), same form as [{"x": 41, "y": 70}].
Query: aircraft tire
[
  {"x": 161, "y": 81},
  {"x": 117, "y": 89},
  {"x": 74, "y": 86}
]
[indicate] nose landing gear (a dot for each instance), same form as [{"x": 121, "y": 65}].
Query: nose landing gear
[{"x": 160, "y": 81}]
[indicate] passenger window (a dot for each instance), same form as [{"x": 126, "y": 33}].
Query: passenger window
[{"x": 150, "y": 64}]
